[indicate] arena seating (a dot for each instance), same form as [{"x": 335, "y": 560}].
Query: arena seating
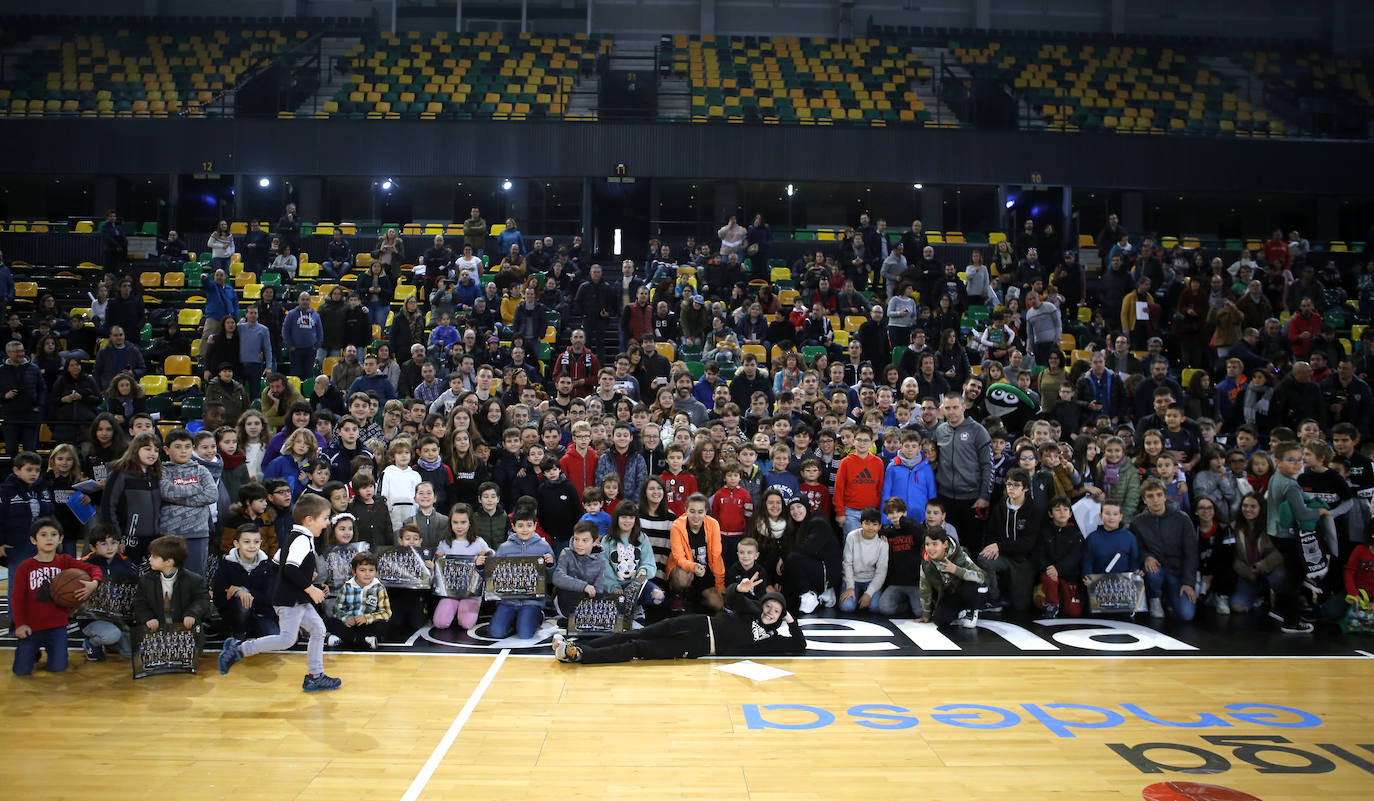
[
  {"x": 800, "y": 81},
  {"x": 444, "y": 75}
]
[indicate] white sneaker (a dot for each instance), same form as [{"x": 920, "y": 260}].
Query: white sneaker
[
  {"x": 371, "y": 642},
  {"x": 828, "y": 597},
  {"x": 808, "y": 603},
  {"x": 333, "y": 641},
  {"x": 968, "y": 619},
  {"x": 1156, "y": 607},
  {"x": 1222, "y": 603}
]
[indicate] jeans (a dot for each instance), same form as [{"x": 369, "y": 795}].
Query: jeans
[
  {"x": 1288, "y": 594},
  {"x": 526, "y": 615},
  {"x": 303, "y": 363},
  {"x": 1248, "y": 594},
  {"x": 1164, "y": 585},
  {"x": 20, "y": 436},
  {"x": 377, "y": 314},
  {"x": 248, "y": 622},
  {"x": 292, "y": 619},
  {"x": 104, "y": 634},
  {"x": 53, "y": 640},
  {"x": 197, "y": 554},
  {"x": 889, "y": 602},
  {"x": 220, "y": 263},
  {"x": 252, "y": 379},
  {"x": 1021, "y": 576},
  {"x": 860, "y": 587},
  {"x": 327, "y": 267},
  {"x": 851, "y": 521}
]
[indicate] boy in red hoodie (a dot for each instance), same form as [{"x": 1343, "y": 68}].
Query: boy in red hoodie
[
  {"x": 39, "y": 623},
  {"x": 732, "y": 506},
  {"x": 817, "y": 495},
  {"x": 859, "y": 482},
  {"x": 678, "y": 484}
]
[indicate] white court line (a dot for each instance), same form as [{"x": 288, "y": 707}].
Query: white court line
[
  {"x": 441, "y": 750},
  {"x": 1366, "y": 653}
]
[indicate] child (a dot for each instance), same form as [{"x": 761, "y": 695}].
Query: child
[
  {"x": 279, "y": 508},
  {"x": 431, "y": 468},
  {"x": 337, "y": 551},
  {"x": 206, "y": 454},
  {"x": 235, "y": 473},
  {"x": 578, "y": 571},
  {"x": 373, "y": 519},
  {"x": 559, "y": 506},
  {"x": 778, "y": 476},
  {"x": 678, "y": 482},
  {"x": 430, "y": 522},
  {"x": 747, "y": 565},
  {"x": 909, "y": 477},
  {"x": 169, "y": 594},
  {"x": 903, "y": 561},
  {"x": 294, "y": 599},
  {"x": 865, "y": 563},
  {"x": 39, "y": 623},
  {"x": 1175, "y": 480},
  {"x": 610, "y": 493},
  {"x": 490, "y": 520},
  {"x": 114, "y": 566},
  {"x": 363, "y": 609},
  {"x": 1111, "y": 548},
  {"x": 1060, "y": 558},
  {"x": 591, "y": 506},
  {"x": 629, "y": 556},
  {"x": 407, "y": 605},
  {"x": 462, "y": 540},
  {"x": 1288, "y": 510},
  {"x": 188, "y": 492},
  {"x": 732, "y": 506},
  {"x": 64, "y": 473},
  {"x": 23, "y": 501},
  {"x": 817, "y": 495},
  {"x": 336, "y": 492},
  {"x": 953, "y": 588},
  {"x": 243, "y": 586},
  {"x": 399, "y": 481},
  {"x": 750, "y": 476},
  {"x": 319, "y": 473},
  {"x": 525, "y": 614},
  {"x": 859, "y": 483},
  {"x": 695, "y": 565},
  {"x": 530, "y": 473},
  {"x": 935, "y": 516}
]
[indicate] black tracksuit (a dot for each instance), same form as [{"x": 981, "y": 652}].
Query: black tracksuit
[{"x": 737, "y": 632}]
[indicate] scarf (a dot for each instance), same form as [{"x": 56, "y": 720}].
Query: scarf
[
  {"x": 231, "y": 460},
  {"x": 434, "y": 465},
  {"x": 776, "y": 529},
  {"x": 1111, "y": 473}
]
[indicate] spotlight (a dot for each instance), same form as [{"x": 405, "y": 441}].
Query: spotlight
[
  {"x": 264, "y": 182},
  {"x": 1011, "y": 203},
  {"x": 506, "y": 185},
  {"x": 386, "y": 185},
  {"x": 791, "y": 190},
  {"x": 918, "y": 186}
]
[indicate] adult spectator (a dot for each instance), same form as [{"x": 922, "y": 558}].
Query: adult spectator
[
  {"x": 684, "y": 400},
  {"x": 1145, "y": 390},
  {"x": 1298, "y": 397},
  {"x": 1102, "y": 389},
  {"x": 372, "y": 380},
  {"x": 74, "y": 400},
  {"x": 1349, "y": 399},
  {"x": 475, "y": 231},
  {"x": 1044, "y": 326},
  {"x": 1111, "y": 233},
  {"x": 125, "y": 309},
  {"x": 118, "y": 357},
  {"x": 114, "y": 245},
  {"x": 221, "y": 244},
  {"x": 338, "y": 257},
  {"x": 22, "y": 394},
  {"x": 963, "y": 474},
  {"x": 223, "y": 348},
  {"x": 510, "y": 236},
  {"x": 637, "y": 319},
  {"x": 256, "y": 354},
  {"x": 579, "y": 364},
  {"x": 732, "y": 237},
  {"x": 390, "y": 252},
  {"x": 277, "y": 399},
  {"x": 220, "y": 300},
  {"x": 893, "y": 267},
  {"x": 256, "y": 247},
  {"x": 758, "y": 246},
  {"x": 595, "y": 305},
  {"x": 1302, "y": 327},
  {"x": 303, "y": 334},
  {"x": 1168, "y": 541},
  {"x": 288, "y": 228}
]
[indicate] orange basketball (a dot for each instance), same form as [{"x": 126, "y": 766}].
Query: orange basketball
[{"x": 64, "y": 588}]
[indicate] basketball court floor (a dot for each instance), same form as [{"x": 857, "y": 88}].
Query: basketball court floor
[{"x": 1016, "y": 709}]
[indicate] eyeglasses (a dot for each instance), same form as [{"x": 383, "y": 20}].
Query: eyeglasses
[
  {"x": 1026, "y": 457},
  {"x": 1292, "y": 460}
]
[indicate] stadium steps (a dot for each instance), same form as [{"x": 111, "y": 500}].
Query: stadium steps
[
  {"x": 336, "y": 50},
  {"x": 925, "y": 90}
]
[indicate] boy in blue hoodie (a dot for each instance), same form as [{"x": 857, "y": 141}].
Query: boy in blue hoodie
[
  {"x": 24, "y": 498},
  {"x": 1112, "y": 548},
  {"x": 909, "y": 477},
  {"x": 443, "y": 336},
  {"x": 579, "y": 572},
  {"x": 527, "y": 614},
  {"x": 778, "y": 476}
]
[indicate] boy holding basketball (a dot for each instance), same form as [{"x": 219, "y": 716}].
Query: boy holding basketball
[
  {"x": 295, "y": 599},
  {"x": 39, "y": 622}
]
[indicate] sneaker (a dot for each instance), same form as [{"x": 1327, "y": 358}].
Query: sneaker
[
  {"x": 1051, "y": 610},
  {"x": 371, "y": 642},
  {"x": 1156, "y": 607},
  {"x": 94, "y": 653},
  {"x": 315, "y": 684},
  {"x": 229, "y": 655},
  {"x": 1300, "y": 627},
  {"x": 333, "y": 641},
  {"x": 570, "y": 653},
  {"x": 968, "y": 619},
  {"x": 828, "y": 597},
  {"x": 1222, "y": 603},
  {"x": 808, "y": 603},
  {"x": 560, "y": 645}
]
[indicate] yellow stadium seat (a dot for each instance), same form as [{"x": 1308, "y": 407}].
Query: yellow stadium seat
[
  {"x": 183, "y": 382},
  {"x": 853, "y": 321},
  {"x": 669, "y": 351},
  {"x": 780, "y": 274},
  {"x": 757, "y": 350},
  {"x": 308, "y": 270},
  {"x": 404, "y": 291},
  {"x": 177, "y": 365},
  {"x": 25, "y": 289},
  {"x": 238, "y": 228},
  {"x": 190, "y": 318},
  {"x": 85, "y": 227},
  {"x": 153, "y": 384},
  {"x": 174, "y": 280},
  {"x": 150, "y": 280}
]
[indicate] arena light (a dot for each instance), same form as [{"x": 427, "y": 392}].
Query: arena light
[
  {"x": 506, "y": 185},
  {"x": 918, "y": 186},
  {"x": 791, "y": 190},
  {"x": 264, "y": 182},
  {"x": 386, "y": 185},
  {"x": 1011, "y": 203},
  {"x": 615, "y": 247}
]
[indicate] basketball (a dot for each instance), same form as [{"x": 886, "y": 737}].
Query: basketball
[{"x": 64, "y": 588}]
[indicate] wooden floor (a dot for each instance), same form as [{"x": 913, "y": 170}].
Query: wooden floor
[{"x": 670, "y": 730}]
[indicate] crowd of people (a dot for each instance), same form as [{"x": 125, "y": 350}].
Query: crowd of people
[{"x": 706, "y": 433}]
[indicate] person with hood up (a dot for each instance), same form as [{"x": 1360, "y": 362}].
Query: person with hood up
[{"x": 746, "y": 629}]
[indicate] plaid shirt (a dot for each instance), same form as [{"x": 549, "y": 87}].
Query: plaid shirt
[{"x": 371, "y": 601}]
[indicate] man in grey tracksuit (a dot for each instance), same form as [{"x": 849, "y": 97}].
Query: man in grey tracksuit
[{"x": 963, "y": 477}]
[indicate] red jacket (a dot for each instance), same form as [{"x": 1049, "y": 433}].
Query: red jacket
[
  {"x": 859, "y": 482},
  {"x": 580, "y": 470},
  {"x": 677, "y": 489},
  {"x": 1297, "y": 324},
  {"x": 32, "y": 607},
  {"x": 639, "y": 320},
  {"x": 583, "y": 368},
  {"x": 732, "y": 508},
  {"x": 818, "y": 498},
  {"x": 1359, "y": 571}
]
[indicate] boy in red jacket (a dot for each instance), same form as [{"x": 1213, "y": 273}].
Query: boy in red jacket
[
  {"x": 678, "y": 484},
  {"x": 859, "y": 482},
  {"x": 38, "y": 622},
  {"x": 817, "y": 495},
  {"x": 732, "y": 506}
]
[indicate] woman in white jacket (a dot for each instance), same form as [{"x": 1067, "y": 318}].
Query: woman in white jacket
[{"x": 221, "y": 246}]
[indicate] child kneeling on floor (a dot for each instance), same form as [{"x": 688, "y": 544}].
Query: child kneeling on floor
[
  {"x": 363, "y": 608},
  {"x": 579, "y": 572},
  {"x": 526, "y": 614}
]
